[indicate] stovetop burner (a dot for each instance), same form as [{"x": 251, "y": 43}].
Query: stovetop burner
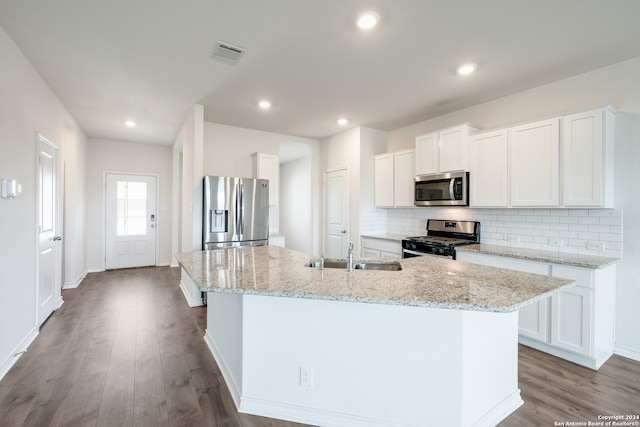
[
  {"x": 442, "y": 237},
  {"x": 438, "y": 240}
]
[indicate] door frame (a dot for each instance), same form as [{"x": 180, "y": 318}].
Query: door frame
[
  {"x": 58, "y": 301},
  {"x": 324, "y": 205},
  {"x": 103, "y": 221}
]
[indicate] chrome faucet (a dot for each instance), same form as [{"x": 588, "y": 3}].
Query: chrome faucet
[{"x": 350, "y": 257}]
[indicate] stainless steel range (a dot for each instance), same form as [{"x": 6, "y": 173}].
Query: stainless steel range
[{"x": 442, "y": 238}]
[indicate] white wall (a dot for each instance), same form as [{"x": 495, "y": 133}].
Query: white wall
[
  {"x": 628, "y": 286},
  {"x": 355, "y": 149},
  {"x": 296, "y": 204},
  {"x": 27, "y": 106},
  {"x": 126, "y": 157},
  {"x": 617, "y": 85},
  {"x": 74, "y": 242},
  {"x": 227, "y": 151}
]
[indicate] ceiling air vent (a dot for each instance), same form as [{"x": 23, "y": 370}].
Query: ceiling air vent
[{"x": 228, "y": 53}]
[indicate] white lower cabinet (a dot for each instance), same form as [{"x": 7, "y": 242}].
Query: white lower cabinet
[
  {"x": 380, "y": 248},
  {"x": 577, "y": 323}
]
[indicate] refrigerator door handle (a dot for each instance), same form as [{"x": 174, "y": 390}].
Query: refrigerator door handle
[
  {"x": 237, "y": 212},
  {"x": 241, "y": 221}
]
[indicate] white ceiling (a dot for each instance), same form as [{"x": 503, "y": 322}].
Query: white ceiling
[{"x": 151, "y": 60}]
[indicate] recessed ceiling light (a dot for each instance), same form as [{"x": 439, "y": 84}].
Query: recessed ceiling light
[
  {"x": 264, "y": 104},
  {"x": 130, "y": 123},
  {"x": 466, "y": 69},
  {"x": 367, "y": 20},
  {"x": 343, "y": 121}
]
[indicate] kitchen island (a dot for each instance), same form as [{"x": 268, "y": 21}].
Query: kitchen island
[{"x": 432, "y": 344}]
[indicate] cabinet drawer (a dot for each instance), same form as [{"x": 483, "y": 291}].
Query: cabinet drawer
[
  {"x": 383, "y": 245},
  {"x": 582, "y": 276}
]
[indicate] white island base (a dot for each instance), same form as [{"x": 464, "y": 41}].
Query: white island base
[{"x": 335, "y": 363}]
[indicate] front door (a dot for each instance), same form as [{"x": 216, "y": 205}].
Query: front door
[
  {"x": 336, "y": 213},
  {"x": 49, "y": 278},
  {"x": 131, "y": 221}
]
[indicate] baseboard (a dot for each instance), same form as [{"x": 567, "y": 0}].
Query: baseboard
[
  {"x": 59, "y": 303},
  {"x": 75, "y": 284},
  {"x": 234, "y": 390},
  {"x": 174, "y": 264},
  {"x": 628, "y": 352},
  {"x": 501, "y": 411},
  {"x": 193, "y": 302},
  {"x": 18, "y": 351},
  {"x": 588, "y": 362},
  {"x": 95, "y": 270},
  {"x": 311, "y": 416}
]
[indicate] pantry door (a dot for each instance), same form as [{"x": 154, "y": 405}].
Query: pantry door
[
  {"x": 49, "y": 264},
  {"x": 336, "y": 213},
  {"x": 130, "y": 221}
]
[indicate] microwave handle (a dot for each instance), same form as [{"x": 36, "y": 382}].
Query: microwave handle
[{"x": 452, "y": 196}]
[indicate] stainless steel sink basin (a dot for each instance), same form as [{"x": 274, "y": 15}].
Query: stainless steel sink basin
[
  {"x": 379, "y": 265},
  {"x": 357, "y": 265}
]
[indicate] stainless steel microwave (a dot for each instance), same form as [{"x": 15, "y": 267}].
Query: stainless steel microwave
[{"x": 447, "y": 189}]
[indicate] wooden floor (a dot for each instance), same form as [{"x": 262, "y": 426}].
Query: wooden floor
[{"x": 126, "y": 350}]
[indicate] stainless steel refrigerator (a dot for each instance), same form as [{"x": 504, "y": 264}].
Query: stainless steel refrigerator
[{"x": 236, "y": 212}]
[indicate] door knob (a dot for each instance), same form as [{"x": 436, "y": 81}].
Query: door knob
[
  {"x": 56, "y": 238},
  {"x": 344, "y": 231}
]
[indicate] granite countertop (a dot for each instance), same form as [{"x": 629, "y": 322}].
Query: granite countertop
[
  {"x": 435, "y": 282},
  {"x": 384, "y": 236},
  {"x": 585, "y": 261}
]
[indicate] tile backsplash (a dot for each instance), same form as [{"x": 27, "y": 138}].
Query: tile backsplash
[{"x": 576, "y": 231}]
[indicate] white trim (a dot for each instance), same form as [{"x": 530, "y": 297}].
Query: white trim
[
  {"x": 103, "y": 221},
  {"x": 628, "y": 352},
  {"x": 17, "y": 352},
  {"x": 232, "y": 386},
  {"x": 75, "y": 284},
  {"x": 191, "y": 300}
]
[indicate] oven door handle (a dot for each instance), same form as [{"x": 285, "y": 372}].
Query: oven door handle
[{"x": 407, "y": 251}]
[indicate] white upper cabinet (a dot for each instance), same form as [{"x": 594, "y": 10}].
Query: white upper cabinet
[
  {"x": 427, "y": 154},
  {"x": 394, "y": 179},
  {"x": 404, "y": 182},
  {"x": 587, "y": 158},
  {"x": 443, "y": 151},
  {"x": 267, "y": 166},
  {"x": 488, "y": 169},
  {"x": 534, "y": 159},
  {"x": 384, "y": 180}
]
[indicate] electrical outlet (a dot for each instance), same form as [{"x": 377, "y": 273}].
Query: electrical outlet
[
  {"x": 594, "y": 245},
  {"x": 306, "y": 376},
  {"x": 556, "y": 241}
]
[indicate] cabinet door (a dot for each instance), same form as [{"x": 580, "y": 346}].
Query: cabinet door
[
  {"x": 454, "y": 149},
  {"x": 384, "y": 176},
  {"x": 404, "y": 178},
  {"x": 533, "y": 318},
  {"x": 489, "y": 169},
  {"x": 584, "y": 144},
  {"x": 427, "y": 154},
  {"x": 572, "y": 311},
  {"x": 370, "y": 253},
  {"x": 571, "y": 320},
  {"x": 267, "y": 166},
  {"x": 534, "y": 154}
]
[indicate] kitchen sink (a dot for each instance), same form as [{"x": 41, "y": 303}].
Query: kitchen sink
[{"x": 357, "y": 265}]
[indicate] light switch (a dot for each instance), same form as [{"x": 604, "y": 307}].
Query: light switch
[{"x": 10, "y": 189}]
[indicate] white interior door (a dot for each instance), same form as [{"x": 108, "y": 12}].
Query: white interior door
[
  {"x": 131, "y": 221},
  {"x": 336, "y": 213},
  {"x": 48, "y": 264}
]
